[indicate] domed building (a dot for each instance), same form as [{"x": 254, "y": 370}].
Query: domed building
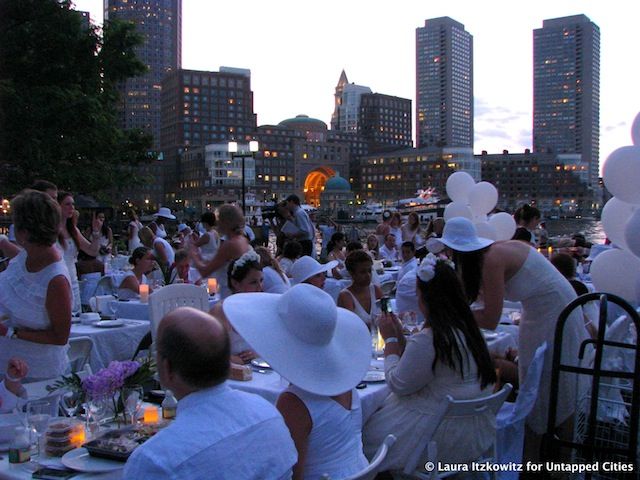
[
  {"x": 315, "y": 130},
  {"x": 337, "y": 199}
]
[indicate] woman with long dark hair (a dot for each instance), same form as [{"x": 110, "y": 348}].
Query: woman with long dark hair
[
  {"x": 494, "y": 271},
  {"x": 335, "y": 249},
  {"x": 447, "y": 357},
  {"x": 71, "y": 241}
]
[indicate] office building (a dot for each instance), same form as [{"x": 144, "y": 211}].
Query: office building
[
  {"x": 566, "y": 90},
  {"x": 444, "y": 84}
]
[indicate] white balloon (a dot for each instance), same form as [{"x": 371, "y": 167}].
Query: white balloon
[
  {"x": 615, "y": 216},
  {"x": 483, "y": 197},
  {"x": 621, "y": 173},
  {"x": 486, "y": 230},
  {"x": 504, "y": 225},
  {"x": 632, "y": 233},
  {"x": 479, "y": 218},
  {"x": 635, "y": 131},
  {"x": 459, "y": 184},
  {"x": 616, "y": 271},
  {"x": 455, "y": 209}
]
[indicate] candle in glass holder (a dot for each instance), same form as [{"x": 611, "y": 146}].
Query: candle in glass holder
[
  {"x": 144, "y": 293},
  {"x": 78, "y": 435},
  {"x": 539, "y": 250},
  {"x": 151, "y": 415},
  {"x": 212, "y": 286},
  {"x": 549, "y": 251}
]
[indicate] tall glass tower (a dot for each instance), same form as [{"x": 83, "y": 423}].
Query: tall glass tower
[
  {"x": 566, "y": 89},
  {"x": 444, "y": 84},
  {"x": 160, "y": 23}
]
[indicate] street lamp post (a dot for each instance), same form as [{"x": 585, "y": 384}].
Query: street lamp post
[{"x": 243, "y": 154}]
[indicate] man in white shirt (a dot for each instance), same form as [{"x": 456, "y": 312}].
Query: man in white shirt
[
  {"x": 216, "y": 427},
  {"x": 388, "y": 251},
  {"x": 409, "y": 260},
  {"x": 307, "y": 232}
]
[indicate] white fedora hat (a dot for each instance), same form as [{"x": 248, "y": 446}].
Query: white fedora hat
[
  {"x": 461, "y": 235},
  {"x": 165, "y": 212},
  {"x": 305, "y": 337},
  {"x": 306, "y": 267}
]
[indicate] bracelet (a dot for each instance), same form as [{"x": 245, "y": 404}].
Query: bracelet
[
  {"x": 391, "y": 340},
  {"x": 10, "y": 378}
]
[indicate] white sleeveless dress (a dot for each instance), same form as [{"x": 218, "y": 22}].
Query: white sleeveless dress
[
  {"x": 209, "y": 249},
  {"x": 335, "y": 441},
  {"x": 70, "y": 257},
  {"x": 370, "y": 316},
  {"x": 544, "y": 292},
  {"x": 22, "y": 297},
  {"x": 135, "y": 240}
]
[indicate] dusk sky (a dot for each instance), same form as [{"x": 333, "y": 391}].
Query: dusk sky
[{"x": 296, "y": 50}]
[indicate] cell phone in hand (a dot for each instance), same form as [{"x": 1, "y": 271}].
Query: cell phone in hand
[{"x": 385, "y": 305}]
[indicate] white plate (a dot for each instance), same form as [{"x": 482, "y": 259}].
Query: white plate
[
  {"x": 80, "y": 460},
  {"x": 374, "y": 376},
  {"x": 109, "y": 323}
]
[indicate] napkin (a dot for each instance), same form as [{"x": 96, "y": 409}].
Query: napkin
[{"x": 100, "y": 303}]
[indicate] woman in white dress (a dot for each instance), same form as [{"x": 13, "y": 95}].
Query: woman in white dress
[
  {"x": 245, "y": 276},
  {"x": 447, "y": 357},
  {"x": 209, "y": 241},
  {"x": 335, "y": 247},
  {"x": 142, "y": 261},
  {"x": 162, "y": 250},
  {"x": 35, "y": 291},
  {"x": 360, "y": 297},
  {"x": 321, "y": 406},
  {"x": 514, "y": 270},
  {"x": 235, "y": 244},
  {"x": 132, "y": 231},
  {"x": 71, "y": 241}
]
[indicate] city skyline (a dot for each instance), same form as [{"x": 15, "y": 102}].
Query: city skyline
[{"x": 296, "y": 56}]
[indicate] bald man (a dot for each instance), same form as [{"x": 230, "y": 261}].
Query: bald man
[{"x": 216, "y": 426}]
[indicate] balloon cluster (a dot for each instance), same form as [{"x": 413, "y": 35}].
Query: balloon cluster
[
  {"x": 474, "y": 201},
  {"x": 617, "y": 270}
]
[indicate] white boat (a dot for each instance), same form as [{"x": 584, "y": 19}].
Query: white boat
[
  {"x": 369, "y": 212},
  {"x": 426, "y": 204}
]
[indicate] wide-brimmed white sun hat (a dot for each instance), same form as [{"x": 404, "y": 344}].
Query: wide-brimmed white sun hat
[
  {"x": 165, "y": 212},
  {"x": 304, "y": 336},
  {"x": 461, "y": 235},
  {"x": 306, "y": 267}
]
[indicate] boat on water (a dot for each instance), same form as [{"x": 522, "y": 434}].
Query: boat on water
[
  {"x": 369, "y": 212},
  {"x": 427, "y": 204}
]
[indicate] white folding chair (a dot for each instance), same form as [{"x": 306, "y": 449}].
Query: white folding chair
[
  {"x": 511, "y": 417},
  {"x": 454, "y": 408},
  {"x": 369, "y": 471},
  {"x": 79, "y": 352},
  {"x": 170, "y": 297},
  {"x": 105, "y": 287}
]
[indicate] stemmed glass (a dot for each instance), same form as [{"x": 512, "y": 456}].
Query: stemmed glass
[
  {"x": 409, "y": 321},
  {"x": 113, "y": 305},
  {"x": 132, "y": 400},
  {"x": 38, "y": 415},
  {"x": 70, "y": 401},
  {"x": 94, "y": 409}
]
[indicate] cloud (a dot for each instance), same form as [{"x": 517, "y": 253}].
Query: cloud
[{"x": 611, "y": 128}]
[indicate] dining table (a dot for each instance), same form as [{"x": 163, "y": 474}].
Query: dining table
[
  {"x": 138, "y": 310},
  {"x": 113, "y": 341}
]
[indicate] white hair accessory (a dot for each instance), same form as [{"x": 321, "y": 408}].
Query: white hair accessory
[
  {"x": 248, "y": 256},
  {"x": 427, "y": 268}
]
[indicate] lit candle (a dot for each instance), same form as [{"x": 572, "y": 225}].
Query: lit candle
[
  {"x": 151, "y": 415},
  {"x": 539, "y": 250},
  {"x": 549, "y": 251},
  {"x": 212, "y": 286},
  {"x": 144, "y": 293},
  {"x": 78, "y": 435},
  {"x": 380, "y": 345}
]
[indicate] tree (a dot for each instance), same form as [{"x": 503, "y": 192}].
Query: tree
[{"x": 58, "y": 99}]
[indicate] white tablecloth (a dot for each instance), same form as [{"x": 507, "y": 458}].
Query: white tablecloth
[
  {"x": 117, "y": 343},
  {"x": 140, "y": 311}
]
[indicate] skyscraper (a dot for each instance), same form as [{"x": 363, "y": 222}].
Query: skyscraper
[
  {"x": 444, "y": 84},
  {"x": 566, "y": 89},
  {"x": 160, "y": 24}
]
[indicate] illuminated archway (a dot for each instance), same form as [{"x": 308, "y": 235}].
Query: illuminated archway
[{"x": 314, "y": 184}]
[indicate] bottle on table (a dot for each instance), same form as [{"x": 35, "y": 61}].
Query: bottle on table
[{"x": 169, "y": 405}]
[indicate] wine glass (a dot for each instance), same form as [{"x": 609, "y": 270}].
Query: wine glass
[
  {"x": 38, "y": 415},
  {"x": 132, "y": 400},
  {"x": 94, "y": 409},
  {"x": 70, "y": 401},
  {"x": 113, "y": 305}
]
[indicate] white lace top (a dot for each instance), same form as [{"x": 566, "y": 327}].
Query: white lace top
[{"x": 22, "y": 299}]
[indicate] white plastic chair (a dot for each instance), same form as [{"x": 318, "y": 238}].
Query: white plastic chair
[
  {"x": 372, "y": 468},
  {"x": 454, "y": 408},
  {"x": 104, "y": 287},
  {"x": 170, "y": 297},
  {"x": 511, "y": 417},
  {"x": 79, "y": 352}
]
